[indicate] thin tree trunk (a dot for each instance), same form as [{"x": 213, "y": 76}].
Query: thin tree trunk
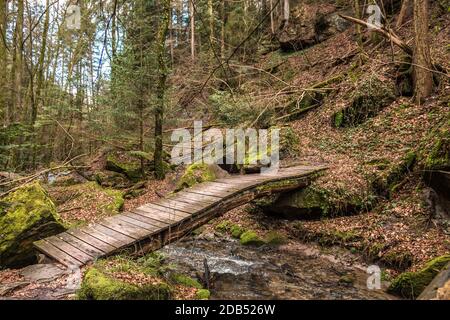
[
  {"x": 272, "y": 23},
  {"x": 423, "y": 76},
  {"x": 211, "y": 23},
  {"x": 15, "y": 111},
  {"x": 161, "y": 88},
  {"x": 286, "y": 12},
  {"x": 192, "y": 14},
  {"x": 403, "y": 13},
  {"x": 3, "y": 62},
  {"x": 222, "y": 31}
]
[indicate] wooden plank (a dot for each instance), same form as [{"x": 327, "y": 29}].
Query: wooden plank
[
  {"x": 49, "y": 249},
  {"x": 70, "y": 249},
  {"x": 173, "y": 214},
  {"x": 151, "y": 228},
  {"x": 115, "y": 238},
  {"x": 146, "y": 219},
  {"x": 99, "y": 244},
  {"x": 172, "y": 211},
  {"x": 199, "y": 196},
  {"x": 209, "y": 185},
  {"x": 180, "y": 206},
  {"x": 83, "y": 246},
  {"x": 123, "y": 227},
  {"x": 221, "y": 194},
  {"x": 156, "y": 215}
]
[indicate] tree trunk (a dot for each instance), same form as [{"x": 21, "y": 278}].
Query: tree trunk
[
  {"x": 423, "y": 76},
  {"x": 272, "y": 23},
  {"x": 3, "y": 60},
  {"x": 192, "y": 13},
  {"x": 222, "y": 30},
  {"x": 404, "y": 12},
  {"x": 161, "y": 88},
  {"x": 40, "y": 76},
  {"x": 211, "y": 24},
  {"x": 286, "y": 12},
  {"x": 17, "y": 67}
]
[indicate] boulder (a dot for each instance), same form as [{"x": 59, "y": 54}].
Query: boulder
[
  {"x": 98, "y": 285},
  {"x": 125, "y": 164},
  {"x": 198, "y": 173},
  {"x": 369, "y": 98},
  {"x": 309, "y": 24},
  {"x": 410, "y": 284},
  {"x": 304, "y": 203},
  {"x": 26, "y": 215}
]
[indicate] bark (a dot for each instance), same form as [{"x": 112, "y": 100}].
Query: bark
[
  {"x": 404, "y": 12},
  {"x": 286, "y": 11},
  {"x": 15, "y": 108},
  {"x": 161, "y": 88},
  {"x": 192, "y": 23},
  {"x": 423, "y": 76},
  {"x": 3, "y": 62},
  {"x": 272, "y": 23}
]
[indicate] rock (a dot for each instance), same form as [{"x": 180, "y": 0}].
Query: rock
[
  {"x": 369, "y": 98},
  {"x": 26, "y": 215},
  {"x": 198, "y": 173},
  {"x": 111, "y": 179},
  {"x": 310, "y": 24},
  {"x": 250, "y": 237},
  {"x": 98, "y": 285},
  {"x": 304, "y": 203},
  {"x": 42, "y": 272},
  {"x": 410, "y": 284},
  {"x": 123, "y": 163}
]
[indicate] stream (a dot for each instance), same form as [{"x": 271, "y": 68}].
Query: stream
[{"x": 292, "y": 271}]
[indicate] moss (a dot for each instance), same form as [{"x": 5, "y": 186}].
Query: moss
[
  {"x": 203, "y": 294},
  {"x": 399, "y": 260},
  {"x": 186, "y": 281},
  {"x": 131, "y": 169},
  {"x": 275, "y": 238},
  {"x": 97, "y": 285},
  {"x": 26, "y": 215},
  {"x": 117, "y": 201},
  {"x": 236, "y": 231},
  {"x": 338, "y": 119},
  {"x": 388, "y": 181},
  {"x": 411, "y": 284},
  {"x": 439, "y": 156},
  {"x": 369, "y": 98},
  {"x": 250, "y": 237},
  {"x": 347, "y": 279},
  {"x": 194, "y": 174},
  {"x": 224, "y": 226}
]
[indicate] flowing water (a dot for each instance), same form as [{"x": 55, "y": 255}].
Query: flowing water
[{"x": 293, "y": 271}]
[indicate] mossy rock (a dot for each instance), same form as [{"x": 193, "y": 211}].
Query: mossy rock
[
  {"x": 411, "y": 284},
  {"x": 26, "y": 215},
  {"x": 304, "y": 203},
  {"x": 197, "y": 173},
  {"x": 399, "y": 260},
  {"x": 388, "y": 180},
  {"x": 98, "y": 285},
  {"x": 123, "y": 163},
  {"x": 371, "y": 96},
  {"x": 203, "y": 294},
  {"x": 439, "y": 157},
  {"x": 185, "y": 281},
  {"x": 275, "y": 238},
  {"x": 250, "y": 237},
  {"x": 111, "y": 179},
  {"x": 236, "y": 231}
]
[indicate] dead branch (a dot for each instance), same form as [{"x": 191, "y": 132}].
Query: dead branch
[{"x": 389, "y": 34}]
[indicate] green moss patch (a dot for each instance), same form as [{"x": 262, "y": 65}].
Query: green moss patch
[
  {"x": 194, "y": 174},
  {"x": 185, "y": 281},
  {"x": 123, "y": 163},
  {"x": 250, "y": 237},
  {"x": 410, "y": 284},
  {"x": 26, "y": 215},
  {"x": 98, "y": 285},
  {"x": 203, "y": 294}
]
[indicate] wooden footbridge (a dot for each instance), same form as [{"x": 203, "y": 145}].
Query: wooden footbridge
[{"x": 156, "y": 224}]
